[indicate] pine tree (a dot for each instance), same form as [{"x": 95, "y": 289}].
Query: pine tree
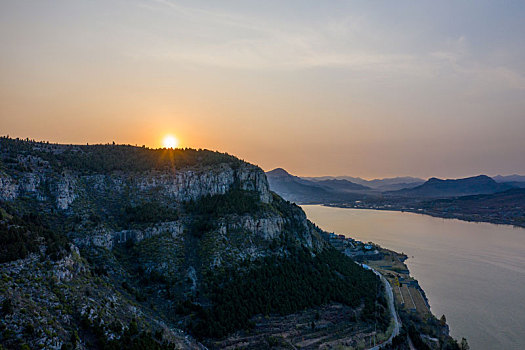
[
  {"x": 464, "y": 344},
  {"x": 443, "y": 320}
]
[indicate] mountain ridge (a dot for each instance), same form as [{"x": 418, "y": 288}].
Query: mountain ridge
[
  {"x": 509, "y": 178},
  {"x": 504, "y": 207},
  {"x": 153, "y": 232},
  {"x": 435, "y": 187},
  {"x": 297, "y": 189},
  {"x": 383, "y": 184}
]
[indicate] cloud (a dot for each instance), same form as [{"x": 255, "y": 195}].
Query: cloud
[
  {"x": 459, "y": 61},
  {"x": 230, "y": 40},
  {"x": 234, "y": 40}
]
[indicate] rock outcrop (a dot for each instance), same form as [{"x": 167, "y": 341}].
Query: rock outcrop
[
  {"x": 139, "y": 233},
  {"x": 177, "y": 185}
]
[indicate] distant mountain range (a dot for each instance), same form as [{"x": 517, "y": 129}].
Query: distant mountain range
[
  {"x": 502, "y": 208},
  {"x": 342, "y": 185},
  {"x": 513, "y": 180},
  {"x": 334, "y": 189},
  {"x": 509, "y": 178},
  {"x": 386, "y": 184},
  {"x": 293, "y": 188},
  {"x": 301, "y": 190},
  {"x": 331, "y": 189},
  {"x": 479, "y": 198},
  {"x": 438, "y": 188}
]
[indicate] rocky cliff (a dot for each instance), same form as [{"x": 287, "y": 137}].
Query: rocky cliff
[
  {"x": 153, "y": 226},
  {"x": 36, "y": 178},
  {"x": 33, "y": 172}
]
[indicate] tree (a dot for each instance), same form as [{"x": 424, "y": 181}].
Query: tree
[
  {"x": 133, "y": 328},
  {"x": 7, "y": 307},
  {"x": 443, "y": 320},
  {"x": 464, "y": 344},
  {"x": 74, "y": 338}
]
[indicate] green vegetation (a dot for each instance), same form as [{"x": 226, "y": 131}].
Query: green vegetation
[
  {"x": 103, "y": 159},
  {"x": 131, "y": 339},
  {"x": 171, "y": 267},
  {"x": 7, "y": 307},
  {"x": 284, "y": 285},
  {"x": 206, "y": 210},
  {"x": 235, "y": 201},
  {"x": 416, "y": 339},
  {"x": 142, "y": 341},
  {"x": 149, "y": 213},
  {"x": 415, "y": 326},
  {"x": 22, "y": 235}
]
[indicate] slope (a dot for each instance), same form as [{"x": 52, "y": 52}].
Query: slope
[
  {"x": 299, "y": 190},
  {"x": 158, "y": 236},
  {"x": 435, "y": 187}
]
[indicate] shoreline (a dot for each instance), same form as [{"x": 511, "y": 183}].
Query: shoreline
[
  {"x": 446, "y": 253},
  {"x": 392, "y": 309},
  {"x": 410, "y": 304},
  {"x": 409, "y": 299},
  {"x": 421, "y": 212}
]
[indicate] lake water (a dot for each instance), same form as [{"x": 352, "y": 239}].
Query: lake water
[{"x": 474, "y": 273}]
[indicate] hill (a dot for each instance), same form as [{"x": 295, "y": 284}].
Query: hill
[
  {"x": 294, "y": 188},
  {"x": 112, "y": 246},
  {"x": 394, "y": 183},
  {"x": 506, "y": 207},
  {"x": 342, "y": 185},
  {"x": 299, "y": 190},
  {"x": 509, "y": 178},
  {"x": 517, "y": 184},
  {"x": 435, "y": 187},
  {"x": 386, "y": 184}
]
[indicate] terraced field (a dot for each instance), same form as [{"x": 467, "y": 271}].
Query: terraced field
[
  {"x": 320, "y": 328},
  {"x": 420, "y": 303},
  {"x": 404, "y": 293},
  {"x": 397, "y": 295},
  {"x": 409, "y": 302}
]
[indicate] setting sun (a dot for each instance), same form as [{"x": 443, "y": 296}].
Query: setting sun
[{"x": 170, "y": 141}]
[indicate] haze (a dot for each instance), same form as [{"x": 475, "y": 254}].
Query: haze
[{"x": 361, "y": 88}]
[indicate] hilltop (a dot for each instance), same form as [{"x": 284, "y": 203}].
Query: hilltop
[
  {"x": 385, "y": 184},
  {"x": 113, "y": 246},
  {"x": 477, "y": 198},
  {"x": 301, "y": 190},
  {"x": 435, "y": 187},
  {"x": 507, "y": 207}
]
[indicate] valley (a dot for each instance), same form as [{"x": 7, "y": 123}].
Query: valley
[{"x": 478, "y": 198}]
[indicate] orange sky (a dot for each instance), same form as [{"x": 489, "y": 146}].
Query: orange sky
[{"x": 337, "y": 89}]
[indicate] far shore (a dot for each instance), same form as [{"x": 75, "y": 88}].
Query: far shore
[{"x": 457, "y": 216}]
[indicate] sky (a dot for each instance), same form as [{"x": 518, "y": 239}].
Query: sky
[{"x": 361, "y": 88}]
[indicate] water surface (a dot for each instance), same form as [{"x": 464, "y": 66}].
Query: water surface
[{"x": 474, "y": 273}]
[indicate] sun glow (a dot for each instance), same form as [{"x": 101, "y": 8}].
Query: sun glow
[{"x": 170, "y": 141}]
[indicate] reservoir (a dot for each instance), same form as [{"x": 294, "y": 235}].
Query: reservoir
[{"x": 473, "y": 273}]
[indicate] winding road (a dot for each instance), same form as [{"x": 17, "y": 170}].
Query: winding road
[{"x": 391, "y": 306}]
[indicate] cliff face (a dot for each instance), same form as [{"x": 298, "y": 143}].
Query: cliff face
[
  {"x": 8, "y": 187},
  {"x": 103, "y": 242},
  {"x": 178, "y": 185},
  {"x": 51, "y": 296},
  {"x": 91, "y": 189},
  {"x": 75, "y": 194},
  {"x": 157, "y": 228}
]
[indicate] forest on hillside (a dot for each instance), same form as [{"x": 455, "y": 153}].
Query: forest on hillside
[{"x": 102, "y": 159}]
